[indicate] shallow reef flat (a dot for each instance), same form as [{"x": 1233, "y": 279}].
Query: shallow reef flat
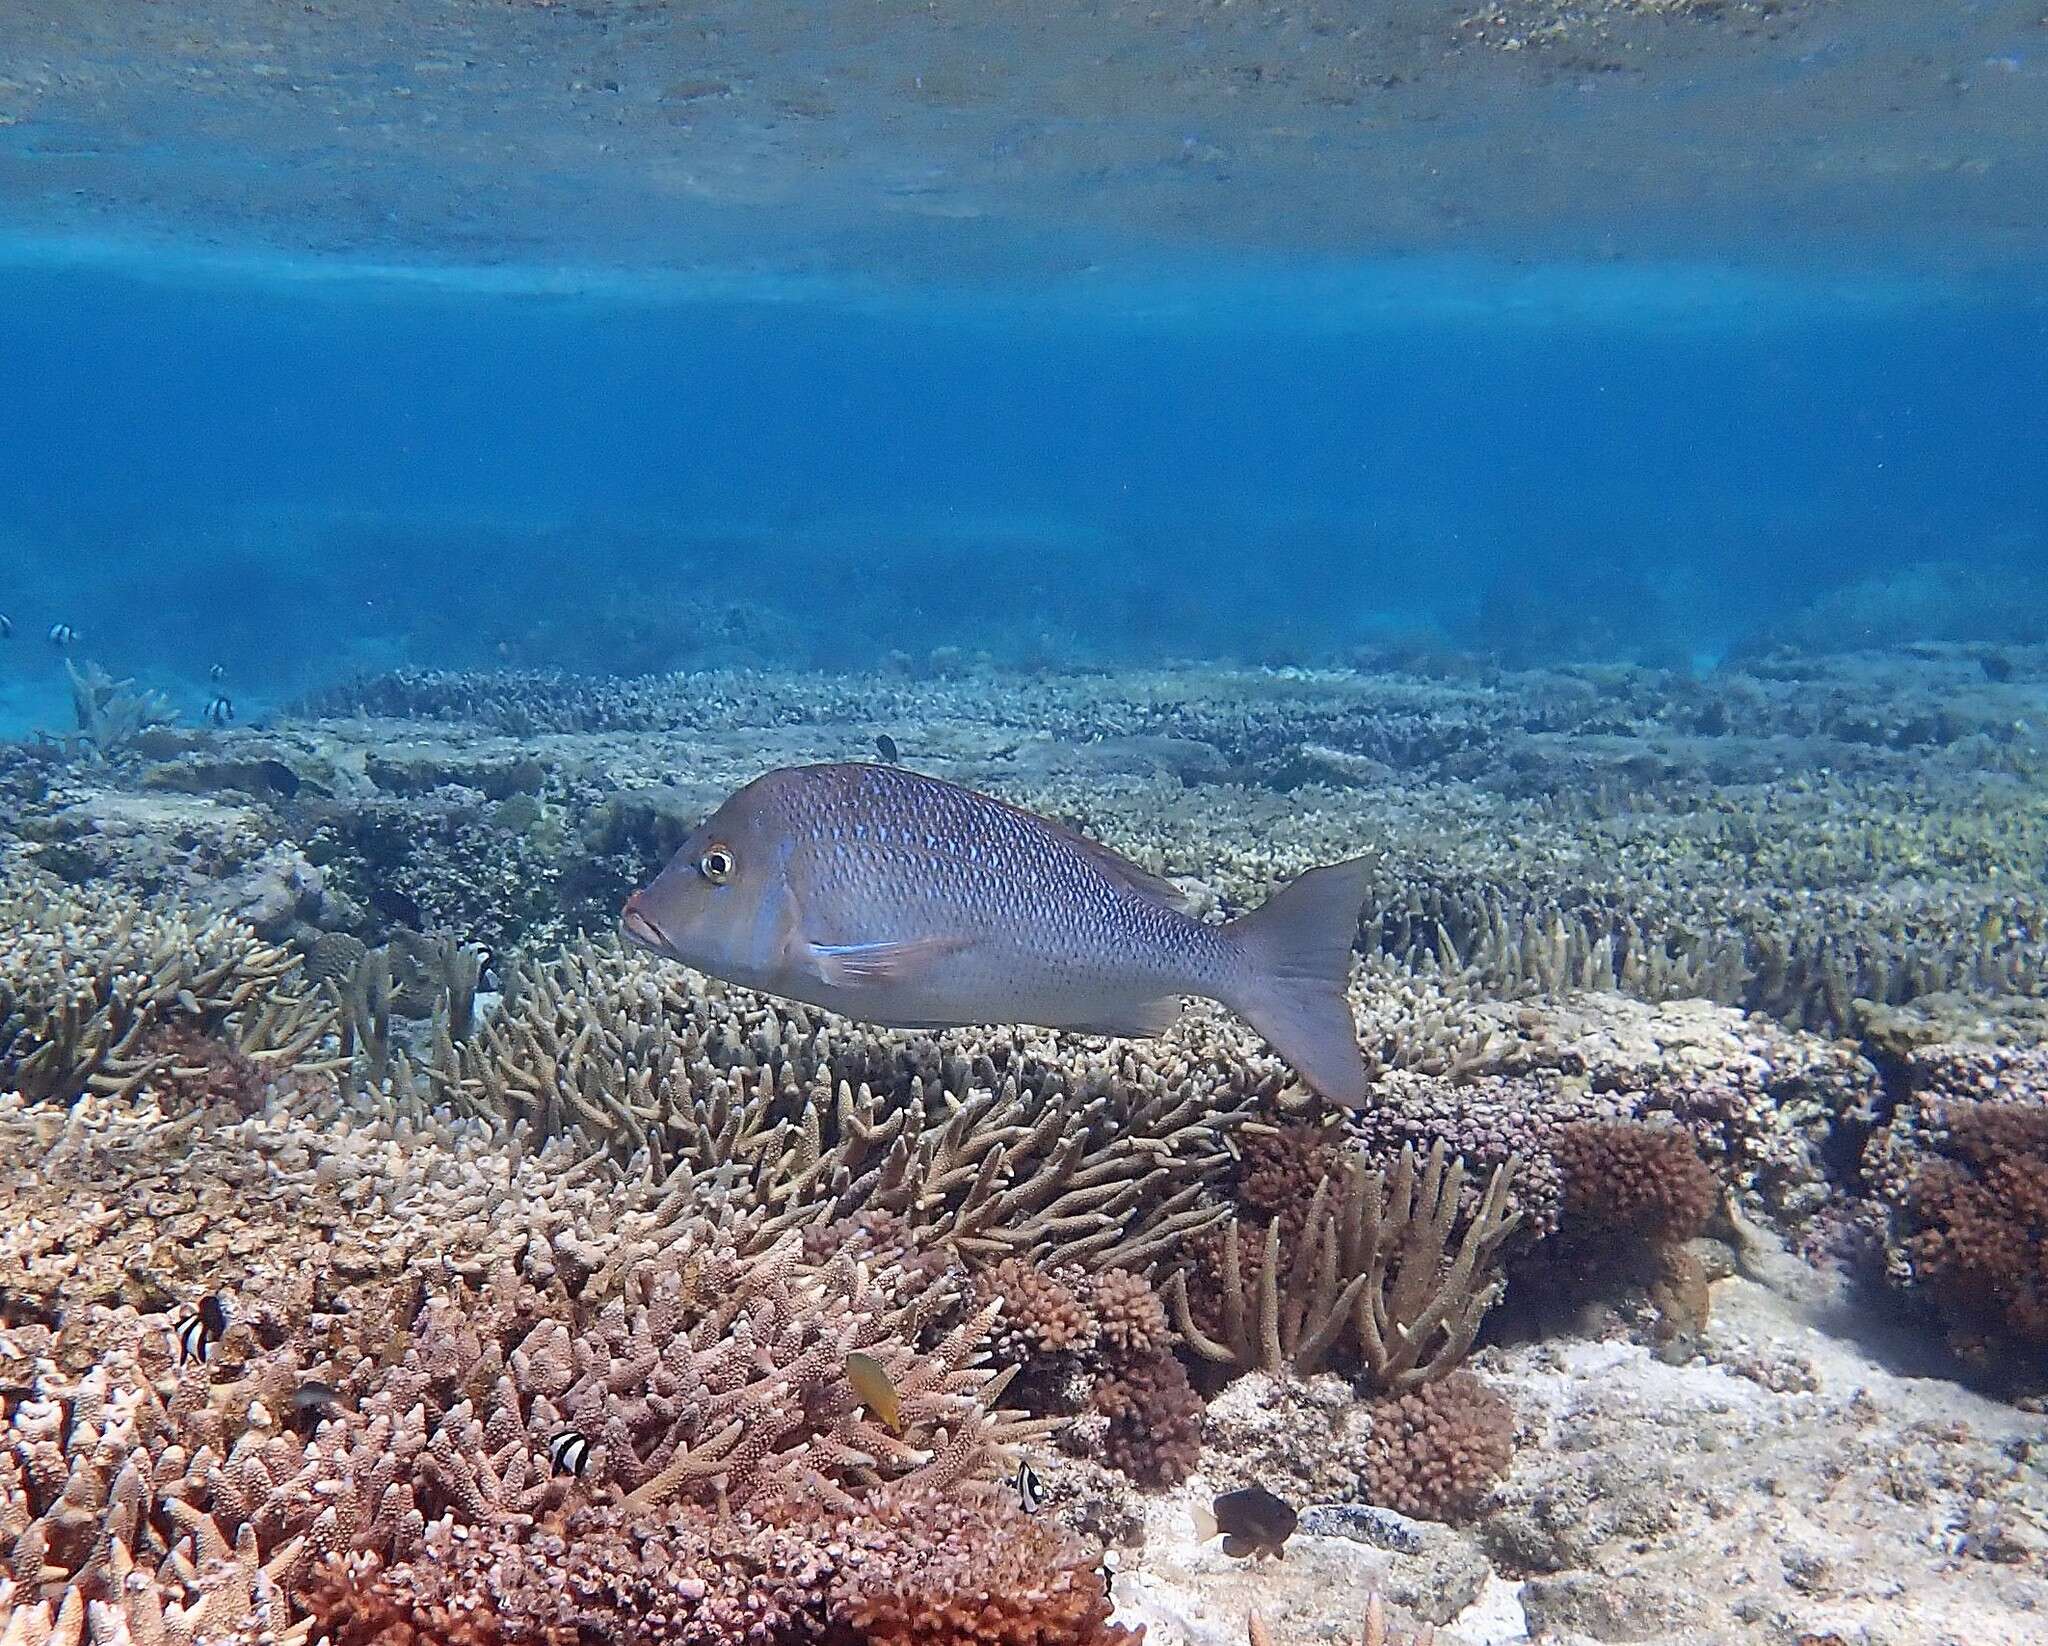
[{"x": 1685, "y": 1281}]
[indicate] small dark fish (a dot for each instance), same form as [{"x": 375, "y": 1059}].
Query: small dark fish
[
  {"x": 217, "y": 674},
  {"x": 282, "y": 780},
  {"x": 199, "y": 1331},
  {"x": 1253, "y": 1522},
  {"x": 876, "y": 1391},
  {"x": 62, "y": 635},
  {"x": 397, "y": 906},
  {"x": 885, "y": 746},
  {"x": 900, "y": 899},
  {"x": 220, "y": 711},
  {"x": 487, "y": 975},
  {"x": 1030, "y": 1489},
  {"x": 568, "y": 1452}
]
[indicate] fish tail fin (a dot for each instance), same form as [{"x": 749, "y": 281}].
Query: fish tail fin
[{"x": 1296, "y": 950}]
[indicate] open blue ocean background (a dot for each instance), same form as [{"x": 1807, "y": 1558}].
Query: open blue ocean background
[{"x": 302, "y": 475}]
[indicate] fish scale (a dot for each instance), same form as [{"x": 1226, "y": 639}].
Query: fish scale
[{"x": 905, "y": 900}]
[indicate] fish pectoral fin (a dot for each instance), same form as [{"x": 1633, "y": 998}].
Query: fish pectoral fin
[
  {"x": 1144, "y": 1021},
  {"x": 865, "y": 965}
]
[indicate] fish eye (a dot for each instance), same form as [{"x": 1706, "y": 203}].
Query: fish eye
[{"x": 716, "y": 865}]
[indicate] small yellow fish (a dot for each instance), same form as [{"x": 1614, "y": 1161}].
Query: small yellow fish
[{"x": 877, "y": 1393}]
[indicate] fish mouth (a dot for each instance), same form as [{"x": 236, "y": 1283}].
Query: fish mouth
[{"x": 639, "y": 929}]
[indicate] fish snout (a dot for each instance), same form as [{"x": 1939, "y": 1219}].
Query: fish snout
[{"x": 638, "y": 928}]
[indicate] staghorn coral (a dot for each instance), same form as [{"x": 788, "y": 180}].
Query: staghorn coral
[
  {"x": 991, "y": 1144},
  {"x": 1375, "y": 1277},
  {"x": 85, "y": 977},
  {"x": 110, "y": 713},
  {"x": 1436, "y": 1451}
]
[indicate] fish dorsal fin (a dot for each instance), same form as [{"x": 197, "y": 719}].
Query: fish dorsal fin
[
  {"x": 1142, "y": 881},
  {"x": 1155, "y": 887}
]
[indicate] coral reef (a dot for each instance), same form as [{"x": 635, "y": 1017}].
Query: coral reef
[
  {"x": 706, "y": 1375},
  {"x": 1436, "y": 1451},
  {"x": 539, "y": 1304},
  {"x": 991, "y": 1143},
  {"x": 1155, "y": 1420},
  {"x": 111, "y": 712},
  {"x": 1788, "y": 836},
  {"x": 86, "y": 978},
  {"x": 914, "y": 1566}
]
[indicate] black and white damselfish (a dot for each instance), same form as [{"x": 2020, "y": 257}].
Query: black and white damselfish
[
  {"x": 1030, "y": 1489},
  {"x": 568, "y": 1452},
  {"x": 200, "y": 1330},
  {"x": 905, "y": 900}
]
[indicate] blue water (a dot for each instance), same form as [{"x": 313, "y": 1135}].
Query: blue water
[{"x": 225, "y": 462}]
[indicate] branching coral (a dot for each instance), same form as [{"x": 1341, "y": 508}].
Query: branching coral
[
  {"x": 1376, "y": 1276},
  {"x": 1624, "y": 1179},
  {"x": 1979, "y": 1216},
  {"x": 1130, "y": 1315},
  {"x": 925, "y": 1571},
  {"x": 991, "y": 1145},
  {"x": 86, "y": 977},
  {"x": 110, "y": 712},
  {"x": 713, "y": 1378},
  {"x": 1045, "y": 1326},
  {"x": 1436, "y": 1451},
  {"x": 1155, "y": 1420},
  {"x": 914, "y": 1568}
]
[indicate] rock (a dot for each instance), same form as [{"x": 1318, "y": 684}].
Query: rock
[
  {"x": 496, "y": 769},
  {"x": 1608, "y": 1608}
]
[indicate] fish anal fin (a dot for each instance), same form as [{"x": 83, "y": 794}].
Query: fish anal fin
[{"x": 872, "y": 965}]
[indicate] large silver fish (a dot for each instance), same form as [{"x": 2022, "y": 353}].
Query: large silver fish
[{"x": 904, "y": 900}]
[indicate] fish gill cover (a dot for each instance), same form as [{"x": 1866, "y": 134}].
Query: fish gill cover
[{"x": 1576, "y": 462}]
